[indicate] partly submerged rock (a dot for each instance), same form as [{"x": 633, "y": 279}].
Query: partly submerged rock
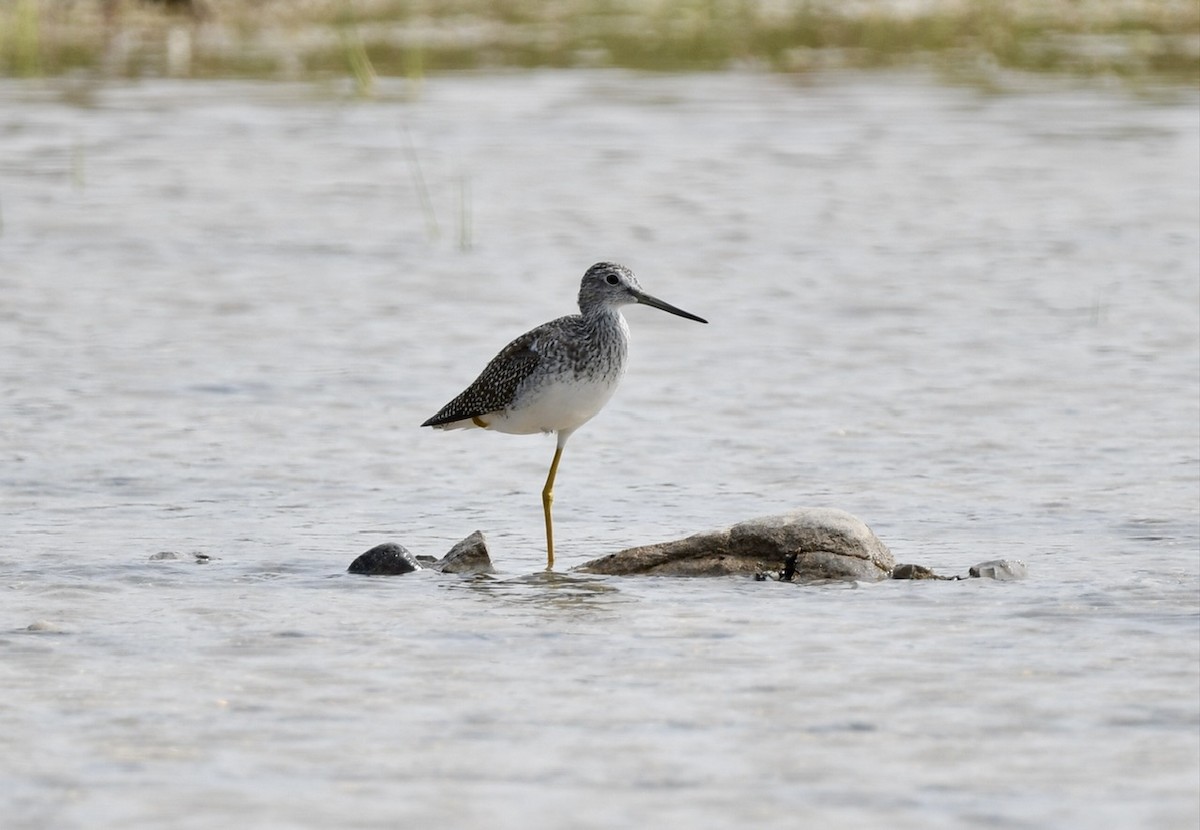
[
  {"x": 388, "y": 559},
  {"x": 999, "y": 569},
  {"x": 828, "y": 544},
  {"x": 1002, "y": 569},
  {"x": 172, "y": 556},
  {"x": 908, "y": 571},
  {"x": 44, "y": 627},
  {"x": 470, "y": 556}
]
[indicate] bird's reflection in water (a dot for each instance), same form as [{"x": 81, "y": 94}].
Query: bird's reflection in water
[{"x": 547, "y": 589}]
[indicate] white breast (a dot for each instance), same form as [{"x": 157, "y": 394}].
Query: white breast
[{"x": 555, "y": 406}]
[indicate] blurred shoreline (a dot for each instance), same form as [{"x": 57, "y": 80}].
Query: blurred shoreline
[{"x": 1154, "y": 41}]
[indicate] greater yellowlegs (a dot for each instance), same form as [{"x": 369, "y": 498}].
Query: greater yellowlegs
[{"x": 556, "y": 377}]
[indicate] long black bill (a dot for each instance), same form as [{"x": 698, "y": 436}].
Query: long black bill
[{"x": 654, "y": 302}]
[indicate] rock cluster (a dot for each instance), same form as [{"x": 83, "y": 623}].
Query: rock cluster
[
  {"x": 812, "y": 544},
  {"x": 470, "y": 556}
]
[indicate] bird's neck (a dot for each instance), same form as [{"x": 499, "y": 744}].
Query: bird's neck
[
  {"x": 606, "y": 320},
  {"x": 607, "y": 334}
]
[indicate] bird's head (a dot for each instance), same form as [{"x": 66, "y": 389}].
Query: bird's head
[{"x": 607, "y": 285}]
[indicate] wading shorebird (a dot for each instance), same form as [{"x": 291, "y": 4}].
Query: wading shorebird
[{"x": 556, "y": 377}]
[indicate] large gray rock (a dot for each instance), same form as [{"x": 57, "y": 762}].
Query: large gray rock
[{"x": 828, "y": 543}]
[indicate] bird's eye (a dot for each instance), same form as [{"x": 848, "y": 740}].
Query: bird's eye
[{"x": 612, "y": 279}]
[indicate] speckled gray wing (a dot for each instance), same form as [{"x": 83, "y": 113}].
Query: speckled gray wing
[{"x": 497, "y": 385}]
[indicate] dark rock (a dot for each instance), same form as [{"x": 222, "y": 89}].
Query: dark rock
[
  {"x": 827, "y": 543},
  {"x": 470, "y": 556},
  {"x": 1002, "y": 569},
  {"x": 788, "y": 573},
  {"x": 917, "y": 572},
  {"x": 388, "y": 559}
]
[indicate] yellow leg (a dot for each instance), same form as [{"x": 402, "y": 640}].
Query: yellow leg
[{"x": 547, "y": 500}]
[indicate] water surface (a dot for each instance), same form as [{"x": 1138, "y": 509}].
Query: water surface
[{"x": 971, "y": 319}]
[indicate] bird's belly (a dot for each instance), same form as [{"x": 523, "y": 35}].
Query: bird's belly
[{"x": 550, "y": 407}]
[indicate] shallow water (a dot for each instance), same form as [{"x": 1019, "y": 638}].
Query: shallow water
[{"x": 971, "y": 319}]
